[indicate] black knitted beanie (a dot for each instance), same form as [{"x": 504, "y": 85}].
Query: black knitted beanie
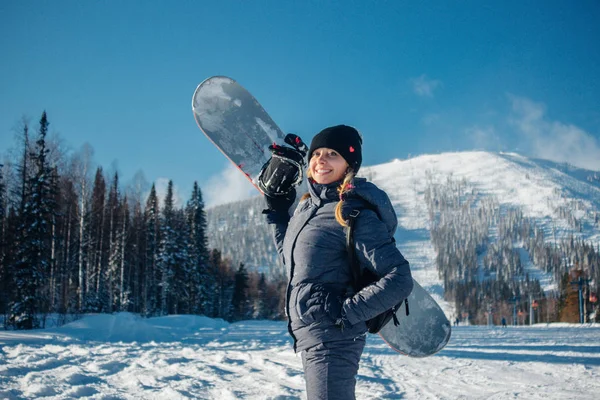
[{"x": 342, "y": 138}]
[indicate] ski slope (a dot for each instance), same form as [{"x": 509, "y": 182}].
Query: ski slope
[
  {"x": 537, "y": 187},
  {"x": 123, "y": 356}
]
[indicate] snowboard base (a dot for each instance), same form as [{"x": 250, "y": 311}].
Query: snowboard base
[{"x": 423, "y": 332}]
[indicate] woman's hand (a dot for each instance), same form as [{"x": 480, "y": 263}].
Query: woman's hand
[
  {"x": 334, "y": 306},
  {"x": 284, "y": 170}
]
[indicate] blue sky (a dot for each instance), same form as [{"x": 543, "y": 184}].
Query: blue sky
[{"x": 413, "y": 77}]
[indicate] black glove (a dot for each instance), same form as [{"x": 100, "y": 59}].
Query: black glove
[
  {"x": 283, "y": 171},
  {"x": 280, "y": 204}
]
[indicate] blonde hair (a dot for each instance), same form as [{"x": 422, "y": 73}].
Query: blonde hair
[{"x": 344, "y": 187}]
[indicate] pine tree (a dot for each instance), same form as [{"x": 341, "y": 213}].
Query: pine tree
[
  {"x": 167, "y": 251},
  {"x": 152, "y": 241},
  {"x": 136, "y": 256},
  {"x": 183, "y": 272},
  {"x": 114, "y": 227},
  {"x": 201, "y": 282},
  {"x": 261, "y": 302},
  {"x": 3, "y": 210},
  {"x": 7, "y": 291},
  {"x": 239, "y": 300},
  {"x": 3, "y": 244},
  {"x": 34, "y": 245}
]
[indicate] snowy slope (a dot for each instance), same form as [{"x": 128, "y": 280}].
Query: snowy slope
[
  {"x": 184, "y": 357},
  {"x": 538, "y": 187},
  {"x": 545, "y": 191}
]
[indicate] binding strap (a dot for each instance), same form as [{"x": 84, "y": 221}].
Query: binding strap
[{"x": 350, "y": 247}]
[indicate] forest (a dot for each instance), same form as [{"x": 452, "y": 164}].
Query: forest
[
  {"x": 74, "y": 241},
  {"x": 73, "y": 244},
  {"x": 481, "y": 250}
]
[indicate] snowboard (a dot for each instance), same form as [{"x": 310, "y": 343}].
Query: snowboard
[
  {"x": 236, "y": 124},
  {"x": 242, "y": 130},
  {"x": 421, "y": 333}
]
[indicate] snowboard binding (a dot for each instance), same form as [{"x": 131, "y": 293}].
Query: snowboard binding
[{"x": 284, "y": 170}]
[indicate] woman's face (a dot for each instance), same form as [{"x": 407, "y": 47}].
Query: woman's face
[{"x": 327, "y": 166}]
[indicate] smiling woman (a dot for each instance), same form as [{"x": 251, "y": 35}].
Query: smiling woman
[{"x": 327, "y": 314}]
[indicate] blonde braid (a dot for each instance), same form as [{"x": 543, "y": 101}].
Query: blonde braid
[{"x": 344, "y": 187}]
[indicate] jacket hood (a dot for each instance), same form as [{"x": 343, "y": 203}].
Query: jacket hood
[{"x": 366, "y": 195}]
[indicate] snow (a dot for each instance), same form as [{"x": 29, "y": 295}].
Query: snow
[{"x": 123, "y": 356}]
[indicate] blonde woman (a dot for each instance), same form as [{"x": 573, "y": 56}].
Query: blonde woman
[{"x": 326, "y": 317}]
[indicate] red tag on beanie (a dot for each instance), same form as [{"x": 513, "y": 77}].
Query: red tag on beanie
[{"x": 351, "y": 149}]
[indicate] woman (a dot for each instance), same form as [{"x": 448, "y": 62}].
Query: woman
[{"x": 326, "y": 316}]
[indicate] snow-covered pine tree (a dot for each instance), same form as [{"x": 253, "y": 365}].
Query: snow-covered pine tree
[
  {"x": 202, "y": 281},
  {"x": 167, "y": 251},
  {"x": 152, "y": 239},
  {"x": 15, "y": 233},
  {"x": 34, "y": 244},
  {"x": 183, "y": 272},
  {"x": 114, "y": 220},
  {"x": 7, "y": 291}
]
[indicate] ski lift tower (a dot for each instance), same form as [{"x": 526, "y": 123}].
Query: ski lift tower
[
  {"x": 490, "y": 315},
  {"x": 533, "y": 306},
  {"x": 580, "y": 282}
]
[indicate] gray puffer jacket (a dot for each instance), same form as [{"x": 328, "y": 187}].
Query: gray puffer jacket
[{"x": 313, "y": 249}]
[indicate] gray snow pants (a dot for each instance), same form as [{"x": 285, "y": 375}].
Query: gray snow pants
[{"x": 330, "y": 369}]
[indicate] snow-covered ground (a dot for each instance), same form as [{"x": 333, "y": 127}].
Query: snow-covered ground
[{"x": 123, "y": 356}]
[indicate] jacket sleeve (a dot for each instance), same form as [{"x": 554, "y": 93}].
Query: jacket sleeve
[
  {"x": 377, "y": 251},
  {"x": 279, "y": 223}
]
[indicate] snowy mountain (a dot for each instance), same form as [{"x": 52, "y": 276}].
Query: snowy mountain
[{"x": 558, "y": 201}]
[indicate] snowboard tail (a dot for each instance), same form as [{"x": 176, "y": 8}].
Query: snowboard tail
[{"x": 421, "y": 333}]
